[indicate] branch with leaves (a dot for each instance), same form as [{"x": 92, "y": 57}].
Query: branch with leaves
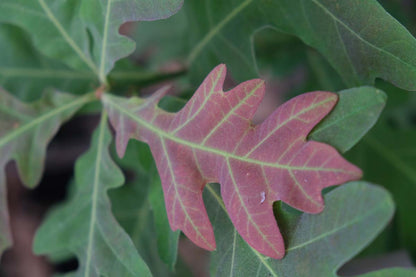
[{"x": 268, "y": 215}]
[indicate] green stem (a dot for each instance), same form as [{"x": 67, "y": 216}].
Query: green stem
[{"x": 143, "y": 78}]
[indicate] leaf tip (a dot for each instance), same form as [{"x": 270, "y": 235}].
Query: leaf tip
[
  {"x": 120, "y": 149},
  {"x": 381, "y": 96},
  {"x": 276, "y": 254},
  {"x": 159, "y": 94},
  {"x": 331, "y": 96},
  {"x": 355, "y": 172},
  {"x": 221, "y": 67}
]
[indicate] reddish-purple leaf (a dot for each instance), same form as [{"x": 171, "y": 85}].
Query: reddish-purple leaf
[{"x": 212, "y": 139}]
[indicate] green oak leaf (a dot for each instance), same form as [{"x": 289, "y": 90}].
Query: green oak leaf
[
  {"x": 317, "y": 245},
  {"x": 27, "y": 74},
  {"x": 391, "y": 272},
  {"x": 388, "y": 157},
  {"x": 321, "y": 74},
  {"x": 63, "y": 29},
  {"x": 25, "y": 131},
  {"x": 103, "y": 18},
  {"x": 347, "y": 33},
  {"x": 163, "y": 40},
  {"x": 136, "y": 216},
  {"x": 167, "y": 240},
  {"x": 356, "y": 112},
  {"x": 139, "y": 209},
  {"x": 85, "y": 225}
]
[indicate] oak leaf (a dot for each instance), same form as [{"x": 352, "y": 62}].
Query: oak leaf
[
  {"x": 25, "y": 132},
  {"x": 212, "y": 139},
  {"x": 359, "y": 55},
  {"x": 85, "y": 225}
]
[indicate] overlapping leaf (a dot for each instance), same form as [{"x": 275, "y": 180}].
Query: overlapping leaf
[
  {"x": 391, "y": 272},
  {"x": 25, "y": 131},
  {"x": 355, "y": 114},
  {"x": 140, "y": 211},
  {"x": 388, "y": 156},
  {"x": 61, "y": 29},
  {"x": 85, "y": 226},
  {"x": 163, "y": 38},
  {"x": 212, "y": 140},
  {"x": 317, "y": 244},
  {"x": 347, "y": 33},
  {"x": 136, "y": 216},
  {"x": 27, "y": 74},
  {"x": 167, "y": 240}
]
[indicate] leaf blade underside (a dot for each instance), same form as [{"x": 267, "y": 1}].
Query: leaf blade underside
[
  {"x": 25, "y": 131},
  {"x": 212, "y": 140},
  {"x": 27, "y": 74},
  {"x": 61, "y": 30},
  {"x": 85, "y": 225}
]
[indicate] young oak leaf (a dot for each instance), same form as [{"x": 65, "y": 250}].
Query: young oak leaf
[{"x": 212, "y": 139}]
